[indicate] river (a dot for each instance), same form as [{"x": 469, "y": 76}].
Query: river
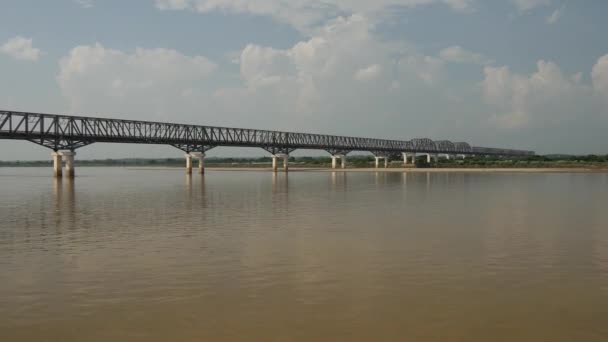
[{"x": 154, "y": 255}]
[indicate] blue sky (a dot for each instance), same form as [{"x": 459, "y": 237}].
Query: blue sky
[{"x": 527, "y": 74}]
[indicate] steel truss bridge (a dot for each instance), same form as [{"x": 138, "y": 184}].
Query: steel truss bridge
[{"x": 63, "y": 132}]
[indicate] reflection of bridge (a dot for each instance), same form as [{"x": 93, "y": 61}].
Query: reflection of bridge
[{"x": 64, "y": 134}]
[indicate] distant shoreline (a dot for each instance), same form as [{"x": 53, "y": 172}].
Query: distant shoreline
[
  {"x": 357, "y": 163},
  {"x": 581, "y": 169}
]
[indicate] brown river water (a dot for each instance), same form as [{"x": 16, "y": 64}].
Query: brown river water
[{"x": 154, "y": 255}]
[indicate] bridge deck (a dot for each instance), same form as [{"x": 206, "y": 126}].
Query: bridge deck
[{"x": 63, "y": 132}]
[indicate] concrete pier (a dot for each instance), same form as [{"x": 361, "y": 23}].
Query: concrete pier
[
  {"x": 57, "y": 164},
  {"x": 334, "y": 161},
  {"x": 68, "y": 156},
  {"x": 285, "y": 158},
  {"x": 406, "y": 156},
  {"x": 285, "y": 162},
  {"x": 188, "y": 163},
  {"x": 385, "y": 161},
  {"x": 274, "y": 163},
  {"x": 201, "y": 164}
]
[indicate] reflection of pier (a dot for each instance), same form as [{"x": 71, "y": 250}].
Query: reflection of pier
[
  {"x": 65, "y": 200},
  {"x": 280, "y": 183},
  {"x": 195, "y": 190},
  {"x": 339, "y": 180}
]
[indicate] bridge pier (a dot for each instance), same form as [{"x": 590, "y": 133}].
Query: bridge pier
[
  {"x": 69, "y": 163},
  {"x": 275, "y": 158},
  {"x": 188, "y": 163},
  {"x": 199, "y": 156},
  {"x": 432, "y": 157},
  {"x": 57, "y": 164},
  {"x": 385, "y": 161},
  {"x": 334, "y": 161},
  {"x": 406, "y": 156}
]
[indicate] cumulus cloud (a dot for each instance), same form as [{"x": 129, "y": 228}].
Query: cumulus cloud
[
  {"x": 93, "y": 77},
  {"x": 427, "y": 69},
  {"x": 84, "y": 3},
  {"x": 460, "y": 5},
  {"x": 457, "y": 54},
  {"x": 344, "y": 49},
  {"x": 599, "y": 75},
  {"x": 343, "y": 74},
  {"x": 369, "y": 73},
  {"x": 264, "y": 66},
  {"x": 543, "y": 97},
  {"x": 555, "y": 16},
  {"x": 343, "y": 79},
  {"x": 304, "y": 14},
  {"x": 527, "y": 5},
  {"x": 21, "y": 48}
]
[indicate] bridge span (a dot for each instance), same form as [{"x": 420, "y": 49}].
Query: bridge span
[{"x": 64, "y": 134}]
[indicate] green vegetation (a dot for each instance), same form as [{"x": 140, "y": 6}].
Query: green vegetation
[
  {"x": 354, "y": 161},
  {"x": 547, "y": 161}
]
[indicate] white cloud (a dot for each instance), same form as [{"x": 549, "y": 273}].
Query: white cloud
[
  {"x": 84, "y": 3},
  {"x": 95, "y": 78},
  {"x": 427, "y": 69},
  {"x": 312, "y": 81},
  {"x": 262, "y": 66},
  {"x": 173, "y": 4},
  {"x": 458, "y": 54},
  {"x": 555, "y": 16},
  {"x": 342, "y": 80},
  {"x": 599, "y": 75},
  {"x": 546, "y": 96},
  {"x": 21, "y": 48},
  {"x": 460, "y": 5},
  {"x": 369, "y": 73},
  {"x": 304, "y": 14},
  {"x": 527, "y": 5}
]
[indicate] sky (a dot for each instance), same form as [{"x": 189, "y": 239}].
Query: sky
[{"x": 526, "y": 74}]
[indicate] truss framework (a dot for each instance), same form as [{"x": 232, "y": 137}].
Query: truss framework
[{"x": 63, "y": 132}]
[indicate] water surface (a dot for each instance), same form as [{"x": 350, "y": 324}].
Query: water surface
[{"x": 140, "y": 255}]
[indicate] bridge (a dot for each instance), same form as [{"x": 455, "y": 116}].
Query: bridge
[{"x": 64, "y": 134}]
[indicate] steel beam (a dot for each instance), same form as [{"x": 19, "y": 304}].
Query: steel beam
[{"x": 63, "y": 132}]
